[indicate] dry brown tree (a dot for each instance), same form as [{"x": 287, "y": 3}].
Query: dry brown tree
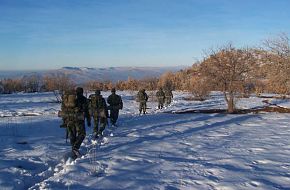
[
  {"x": 166, "y": 81},
  {"x": 11, "y": 85},
  {"x": 32, "y": 83},
  {"x": 198, "y": 84},
  {"x": 199, "y": 87},
  {"x": 228, "y": 68},
  {"x": 278, "y": 72},
  {"x": 58, "y": 82}
]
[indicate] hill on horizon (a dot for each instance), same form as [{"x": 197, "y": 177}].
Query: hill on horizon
[{"x": 84, "y": 74}]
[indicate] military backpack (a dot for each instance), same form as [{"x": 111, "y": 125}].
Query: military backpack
[
  {"x": 98, "y": 106},
  {"x": 142, "y": 96},
  {"x": 69, "y": 100}
]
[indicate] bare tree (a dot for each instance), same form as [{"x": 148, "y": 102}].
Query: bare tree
[
  {"x": 12, "y": 85},
  {"x": 278, "y": 45},
  {"x": 228, "y": 68},
  {"x": 199, "y": 87},
  {"x": 197, "y": 84},
  {"x": 132, "y": 84},
  {"x": 149, "y": 83},
  {"x": 166, "y": 81},
  {"x": 278, "y": 57},
  {"x": 32, "y": 83},
  {"x": 58, "y": 82}
]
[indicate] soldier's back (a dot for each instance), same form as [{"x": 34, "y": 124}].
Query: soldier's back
[{"x": 114, "y": 99}]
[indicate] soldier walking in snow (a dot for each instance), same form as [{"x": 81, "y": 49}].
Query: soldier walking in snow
[
  {"x": 75, "y": 111},
  {"x": 142, "y": 97},
  {"x": 99, "y": 111},
  {"x": 160, "y": 98},
  {"x": 115, "y": 104},
  {"x": 168, "y": 96}
]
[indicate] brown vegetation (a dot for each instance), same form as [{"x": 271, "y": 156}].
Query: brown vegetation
[
  {"x": 58, "y": 82},
  {"x": 236, "y": 72},
  {"x": 228, "y": 69}
]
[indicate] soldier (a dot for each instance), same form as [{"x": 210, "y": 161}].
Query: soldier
[
  {"x": 142, "y": 98},
  {"x": 99, "y": 111},
  {"x": 168, "y": 96},
  {"x": 62, "y": 112},
  {"x": 75, "y": 111},
  {"x": 115, "y": 104},
  {"x": 161, "y": 98}
]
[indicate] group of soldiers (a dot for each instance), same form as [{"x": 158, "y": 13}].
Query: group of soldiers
[
  {"x": 76, "y": 109},
  {"x": 163, "y": 98}
]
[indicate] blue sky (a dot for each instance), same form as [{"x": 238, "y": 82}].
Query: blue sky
[{"x": 50, "y": 34}]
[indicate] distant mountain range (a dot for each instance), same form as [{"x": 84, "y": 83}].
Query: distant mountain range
[{"x": 82, "y": 74}]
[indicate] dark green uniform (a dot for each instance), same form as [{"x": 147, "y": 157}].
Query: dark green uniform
[
  {"x": 115, "y": 104},
  {"x": 142, "y": 98},
  {"x": 160, "y": 98},
  {"x": 74, "y": 117},
  {"x": 168, "y": 97},
  {"x": 99, "y": 111}
]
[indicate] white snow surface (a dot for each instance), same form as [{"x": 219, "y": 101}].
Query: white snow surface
[{"x": 160, "y": 150}]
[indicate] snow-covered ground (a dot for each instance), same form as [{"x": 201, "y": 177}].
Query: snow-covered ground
[{"x": 155, "y": 151}]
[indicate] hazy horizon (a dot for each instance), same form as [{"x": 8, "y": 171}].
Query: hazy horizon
[
  {"x": 81, "y": 75},
  {"x": 80, "y": 67}
]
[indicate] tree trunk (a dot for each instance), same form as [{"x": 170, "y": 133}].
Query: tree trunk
[{"x": 231, "y": 105}]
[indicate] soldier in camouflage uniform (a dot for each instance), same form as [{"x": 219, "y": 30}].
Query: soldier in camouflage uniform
[
  {"x": 74, "y": 113},
  {"x": 99, "y": 111},
  {"x": 115, "y": 104},
  {"x": 160, "y": 98},
  {"x": 142, "y": 97},
  {"x": 168, "y": 96}
]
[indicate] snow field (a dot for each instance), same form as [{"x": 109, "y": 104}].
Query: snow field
[{"x": 155, "y": 151}]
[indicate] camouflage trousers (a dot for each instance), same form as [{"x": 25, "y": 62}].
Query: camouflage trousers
[
  {"x": 168, "y": 100},
  {"x": 160, "y": 103},
  {"x": 77, "y": 133},
  {"x": 114, "y": 114},
  {"x": 99, "y": 124},
  {"x": 142, "y": 107}
]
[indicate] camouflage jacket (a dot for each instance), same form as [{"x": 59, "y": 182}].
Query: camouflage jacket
[
  {"x": 168, "y": 94},
  {"x": 82, "y": 106},
  {"x": 98, "y": 104},
  {"x": 142, "y": 96},
  {"x": 160, "y": 94},
  {"x": 115, "y": 101},
  {"x": 79, "y": 111}
]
